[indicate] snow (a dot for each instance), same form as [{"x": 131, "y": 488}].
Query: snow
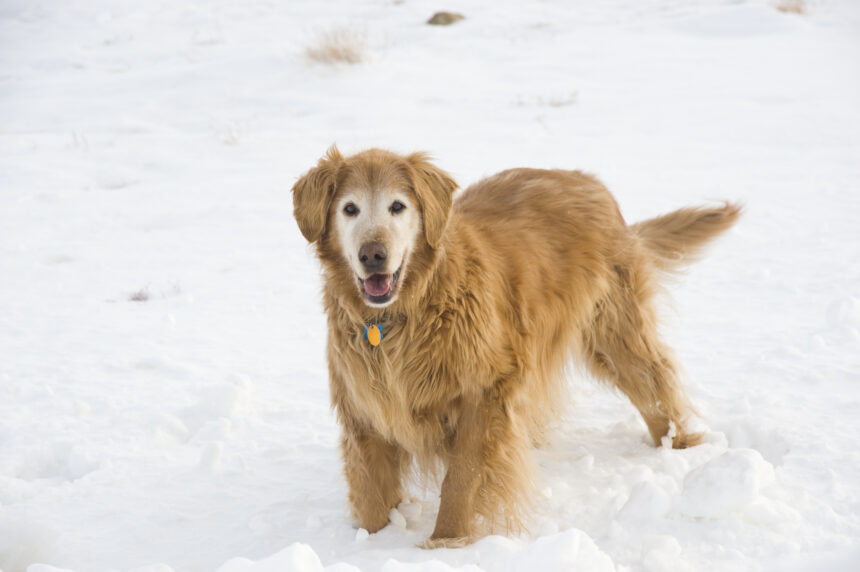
[
  {"x": 161, "y": 336},
  {"x": 296, "y": 557},
  {"x": 726, "y": 484}
]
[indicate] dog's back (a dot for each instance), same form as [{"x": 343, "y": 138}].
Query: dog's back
[{"x": 555, "y": 234}]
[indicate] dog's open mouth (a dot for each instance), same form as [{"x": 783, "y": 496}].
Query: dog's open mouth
[{"x": 380, "y": 288}]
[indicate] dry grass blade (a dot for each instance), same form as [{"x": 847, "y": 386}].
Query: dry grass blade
[
  {"x": 338, "y": 45},
  {"x": 791, "y": 6},
  {"x": 141, "y": 295}
]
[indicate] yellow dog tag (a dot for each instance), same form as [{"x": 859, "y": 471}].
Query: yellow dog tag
[{"x": 373, "y": 333}]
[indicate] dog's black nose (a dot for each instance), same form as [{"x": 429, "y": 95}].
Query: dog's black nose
[{"x": 373, "y": 255}]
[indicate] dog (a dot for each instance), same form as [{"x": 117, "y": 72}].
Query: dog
[{"x": 450, "y": 322}]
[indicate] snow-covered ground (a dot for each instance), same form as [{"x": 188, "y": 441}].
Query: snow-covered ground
[{"x": 147, "y": 150}]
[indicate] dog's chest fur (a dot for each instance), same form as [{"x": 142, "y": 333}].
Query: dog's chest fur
[{"x": 409, "y": 386}]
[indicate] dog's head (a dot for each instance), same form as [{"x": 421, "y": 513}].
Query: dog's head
[{"x": 375, "y": 211}]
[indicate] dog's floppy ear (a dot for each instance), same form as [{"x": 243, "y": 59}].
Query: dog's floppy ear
[
  {"x": 434, "y": 189},
  {"x": 312, "y": 194}
]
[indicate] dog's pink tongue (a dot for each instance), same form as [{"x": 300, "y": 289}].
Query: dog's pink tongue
[{"x": 378, "y": 284}]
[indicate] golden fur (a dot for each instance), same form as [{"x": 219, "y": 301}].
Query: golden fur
[{"x": 524, "y": 270}]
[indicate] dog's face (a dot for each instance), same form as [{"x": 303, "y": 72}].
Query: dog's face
[
  {"x": 377, "y": 230},
  {"x": 370, "y": 214}
]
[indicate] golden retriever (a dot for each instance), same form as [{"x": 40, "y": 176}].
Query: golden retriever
[{"x": 450, "y": 322}]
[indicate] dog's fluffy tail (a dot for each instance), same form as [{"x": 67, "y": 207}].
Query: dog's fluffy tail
[{"x": 677, "y": 238}]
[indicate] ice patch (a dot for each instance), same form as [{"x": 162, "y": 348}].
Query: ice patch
[{"x": 726, "y": 484}]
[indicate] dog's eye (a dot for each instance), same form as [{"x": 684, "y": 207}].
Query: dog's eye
[
  {"x": 350, "y": 210},
  {"x": 396, "y": 207}
]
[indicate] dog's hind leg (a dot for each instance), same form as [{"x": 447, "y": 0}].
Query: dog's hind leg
[
  {"x": 622, "y": 346},
  {"x": 373, "y": 468}
]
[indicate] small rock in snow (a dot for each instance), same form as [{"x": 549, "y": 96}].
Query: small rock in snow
[{"x": 444, "y": 18}]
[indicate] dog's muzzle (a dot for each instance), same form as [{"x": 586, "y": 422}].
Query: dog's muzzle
[{"x": 380, "y": 288}]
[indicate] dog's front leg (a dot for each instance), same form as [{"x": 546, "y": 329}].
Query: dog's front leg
[
  {"x": 373, "y": 468},
  {"x": 455, "y": 522},
  {"x": 488, "y": 470}
]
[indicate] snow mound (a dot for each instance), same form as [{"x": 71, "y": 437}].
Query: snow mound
[
  {"x": 726, "y": 484},
  {"x": 428, "y": 566},
  {"x": 46, "y": 568},
  {"x": 297, "y": 557},
  {"x": 647, "y": 502},
  {"x": 566, "y": 551}
]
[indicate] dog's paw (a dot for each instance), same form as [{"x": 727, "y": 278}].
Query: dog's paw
[
  {"x": 687, "y": 440},
  {"x": 432, "y": 543}
]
